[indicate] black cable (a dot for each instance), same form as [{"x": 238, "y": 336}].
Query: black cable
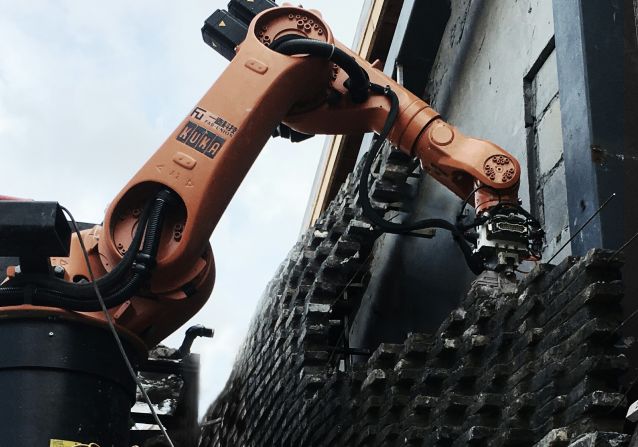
[
  {"x": 53, "y": 298},
  {"x": 358, "y": 82},
  {"x": 359, "y": 87},
  {"x": 467, "y": 200},
  {"x": 73, "y": 296},
  {"x": 107, "y": 283},
  {"x": 404, "y": 228},
  {"x": 364, "y": 191},
  {"x": 155, "y": 223},
  {"x": 116, "y": 336}
]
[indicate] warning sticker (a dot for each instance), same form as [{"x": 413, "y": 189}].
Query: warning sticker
[{"x": 62, "y": 443}]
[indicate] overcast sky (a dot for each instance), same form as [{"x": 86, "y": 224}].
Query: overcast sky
[{"x": 89, "y": 90}]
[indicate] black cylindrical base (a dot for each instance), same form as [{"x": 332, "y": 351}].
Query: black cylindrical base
[{"x": 62, "y": 379}]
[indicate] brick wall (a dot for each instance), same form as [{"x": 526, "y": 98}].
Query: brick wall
[{"x": 536, "y": 363}]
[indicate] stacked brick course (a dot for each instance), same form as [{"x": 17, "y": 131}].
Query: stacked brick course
[{"x": 533, "y": 364}]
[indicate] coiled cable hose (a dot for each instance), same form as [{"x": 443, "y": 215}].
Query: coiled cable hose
[{"x": 134, "y": 268}]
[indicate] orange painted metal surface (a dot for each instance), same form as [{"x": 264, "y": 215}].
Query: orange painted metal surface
[{"x": 207, "y": 156}]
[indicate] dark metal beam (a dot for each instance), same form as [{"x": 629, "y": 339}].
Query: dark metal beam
[{"x": 589, "y": 45}]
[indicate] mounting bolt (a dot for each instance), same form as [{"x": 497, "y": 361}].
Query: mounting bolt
[
  {"x": 51, "y": 334},
  {"x": 442, "y": 135}
]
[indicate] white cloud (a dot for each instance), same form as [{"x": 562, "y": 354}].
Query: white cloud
[{"x": 88, "y": 90}]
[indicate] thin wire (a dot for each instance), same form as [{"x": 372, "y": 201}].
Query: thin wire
[
  {"x": 111, "y": 325},
  {"x": 582, "y": 227},
  {"x": 632, "y": 315},
  {"x": 623, "y": 246}
]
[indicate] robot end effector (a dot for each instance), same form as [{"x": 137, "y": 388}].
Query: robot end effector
[{"x": 504, "y": 233}]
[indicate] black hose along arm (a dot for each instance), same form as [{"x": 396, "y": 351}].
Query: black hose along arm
[
  {"x": 131, "y": 271},
  {"x": 359, "y": 88},
  {"x": 136, "y": 265}
]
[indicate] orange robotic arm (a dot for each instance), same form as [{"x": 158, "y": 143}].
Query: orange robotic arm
[{"x": 203, "y": 162}]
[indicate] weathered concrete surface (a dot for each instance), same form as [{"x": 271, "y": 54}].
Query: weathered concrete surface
[
  {"x": 478, "y": 83},
  {"x": 490, "y": 50},
  {"x": 477, "y": 80}
]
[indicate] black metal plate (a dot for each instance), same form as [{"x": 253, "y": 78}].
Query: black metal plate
[{"x": 33, "y": 229}]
